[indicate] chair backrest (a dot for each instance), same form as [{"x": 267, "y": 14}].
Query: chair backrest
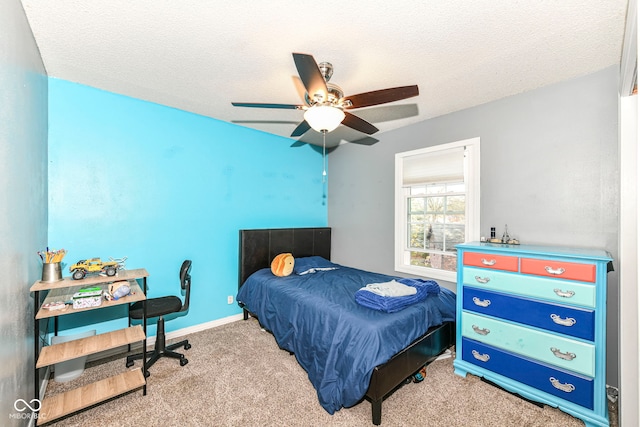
[{"x": 185, "y": 283}]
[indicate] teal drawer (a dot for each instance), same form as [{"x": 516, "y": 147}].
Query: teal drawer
[
  {"x": 556, "y": 290},
  {"x": 556, "y": 350}
]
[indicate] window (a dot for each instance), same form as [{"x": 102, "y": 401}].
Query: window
[{"x": 437, "y": 206}]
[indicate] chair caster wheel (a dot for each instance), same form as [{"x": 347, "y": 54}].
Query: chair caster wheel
[
  {"x": 183, "y": 361},
  {"x": 187, "y": 346},
  {"x": 146, "y": 374},
  {"x": 129, "y": 363}
]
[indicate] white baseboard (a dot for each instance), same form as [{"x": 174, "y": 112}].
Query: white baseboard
[
  {"x": 43, "y": 389},
  {"x": 169, "y": 336},
  {"x": 45, "y": 382},
  {"x": 198, "y": 328}
]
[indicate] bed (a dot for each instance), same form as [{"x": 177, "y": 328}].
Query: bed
[{"x": 328, "y": 334}]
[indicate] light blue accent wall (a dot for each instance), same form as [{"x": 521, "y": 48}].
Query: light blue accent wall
[{"x": 159, "y": 185}]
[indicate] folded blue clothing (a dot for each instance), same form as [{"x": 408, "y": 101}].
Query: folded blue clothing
[
  {"x": 430, "y": 286},
  {"x": 392, "y": 304}
]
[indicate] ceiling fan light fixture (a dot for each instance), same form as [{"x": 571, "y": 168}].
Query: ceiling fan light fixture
[
  {"x": 324, "y": 118},
  {"x": 325, "y": 105}
]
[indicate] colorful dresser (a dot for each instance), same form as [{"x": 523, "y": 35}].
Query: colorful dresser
[{"x": 532, "y": 319}]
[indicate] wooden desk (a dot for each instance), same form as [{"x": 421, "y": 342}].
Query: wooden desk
[{"x": 75, "y": 400}]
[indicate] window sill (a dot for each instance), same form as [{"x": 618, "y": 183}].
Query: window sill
[{"x": 429, "y": 273}]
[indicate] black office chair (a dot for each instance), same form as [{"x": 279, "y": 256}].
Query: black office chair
[{"x": 159, "y": 307}]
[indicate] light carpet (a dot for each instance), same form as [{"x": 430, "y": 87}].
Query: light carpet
[{"x": 237, "y": 376}]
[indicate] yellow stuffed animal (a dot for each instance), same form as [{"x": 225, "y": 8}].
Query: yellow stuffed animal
[{"x": 282, "y": 265}]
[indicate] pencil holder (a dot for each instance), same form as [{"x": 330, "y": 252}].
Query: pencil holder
[{"x": 51, "y": 272}]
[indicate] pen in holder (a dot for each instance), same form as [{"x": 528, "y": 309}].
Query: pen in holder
[{"x": 51, "y": 272}]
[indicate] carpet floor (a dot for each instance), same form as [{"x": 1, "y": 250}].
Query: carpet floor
[{"x": 237, "y": 376}]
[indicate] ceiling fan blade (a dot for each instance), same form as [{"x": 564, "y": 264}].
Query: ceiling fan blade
[
  {"x": 381, "y": 96},
  {"x": 311, "y": 77},
  {"x": 355, "y": 122},
  {"x": 259, "y": 105},
  {"x": 301, "y": 129}
]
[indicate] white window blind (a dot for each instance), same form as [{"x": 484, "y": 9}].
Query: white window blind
[{"x": 434, "y": 167}]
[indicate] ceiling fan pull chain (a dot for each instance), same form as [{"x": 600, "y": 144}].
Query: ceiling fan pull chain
[{"x": 324, "y": 157}]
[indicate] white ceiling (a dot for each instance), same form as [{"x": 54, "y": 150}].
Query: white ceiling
[{"x": 200, "y": 55}]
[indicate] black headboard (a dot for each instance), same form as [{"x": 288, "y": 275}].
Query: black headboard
[{"x": 258, "y": 247}]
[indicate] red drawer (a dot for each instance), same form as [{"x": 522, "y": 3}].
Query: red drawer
[
  {"x": 559, "y": 269},
  {"x": 496, "y": 262}
]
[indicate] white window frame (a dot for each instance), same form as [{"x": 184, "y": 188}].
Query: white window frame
[{"x": 472, "y": 212}]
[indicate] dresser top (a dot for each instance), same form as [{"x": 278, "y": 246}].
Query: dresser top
[{"x": 562, "y": 251}]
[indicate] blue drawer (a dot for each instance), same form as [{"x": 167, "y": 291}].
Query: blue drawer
[
  {"x": 566, "y": 320},
  {"x": 559, "y": 383}
]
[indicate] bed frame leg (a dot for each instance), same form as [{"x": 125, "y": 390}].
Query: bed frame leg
[
  {"x": 376, "y": 412},
  {"x": 245, "y": 314}
]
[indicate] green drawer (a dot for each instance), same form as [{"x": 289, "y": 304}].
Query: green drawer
[
  {"x": 554, "y": 349},
  {"x": 556, "y": 290}
]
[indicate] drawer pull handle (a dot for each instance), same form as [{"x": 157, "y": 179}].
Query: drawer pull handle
[
  {"x": 480, "y": 331},
  {"x": 488, "y": 262},
  {"x": 564, "y": 356},
  {"x": 482, "y": 279},
  {"x": 481, "y": 302},
  {"x": 481, "y": 357},
  {"x": 564, "y": 294},
  {"x": 568, "y": 321},
  {"x": 556, "y": 271},
  {"x": 567, "y": 388}
]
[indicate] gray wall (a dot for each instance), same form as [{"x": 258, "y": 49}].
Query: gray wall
[
  {"x": 23, "y": 201},
  {"x": 549, "y": 169}
]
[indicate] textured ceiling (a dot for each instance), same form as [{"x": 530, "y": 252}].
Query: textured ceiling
[{"x": 200, "y": 55}]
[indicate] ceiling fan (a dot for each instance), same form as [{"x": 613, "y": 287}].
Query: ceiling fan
[{"x": 326, "y": 106}]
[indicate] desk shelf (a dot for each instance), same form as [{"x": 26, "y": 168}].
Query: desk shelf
[
  {"x": 68, "y": 282},
  {"x": 62, "y": 352},
  {"x": 66, "y": 294},
  {"x": 62, "y": 404}
]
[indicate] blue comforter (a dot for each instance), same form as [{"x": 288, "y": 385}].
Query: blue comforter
[{"x": 335, "y": 339}]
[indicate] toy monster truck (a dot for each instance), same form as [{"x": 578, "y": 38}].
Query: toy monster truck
[{"x": 93, "y": 265}]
